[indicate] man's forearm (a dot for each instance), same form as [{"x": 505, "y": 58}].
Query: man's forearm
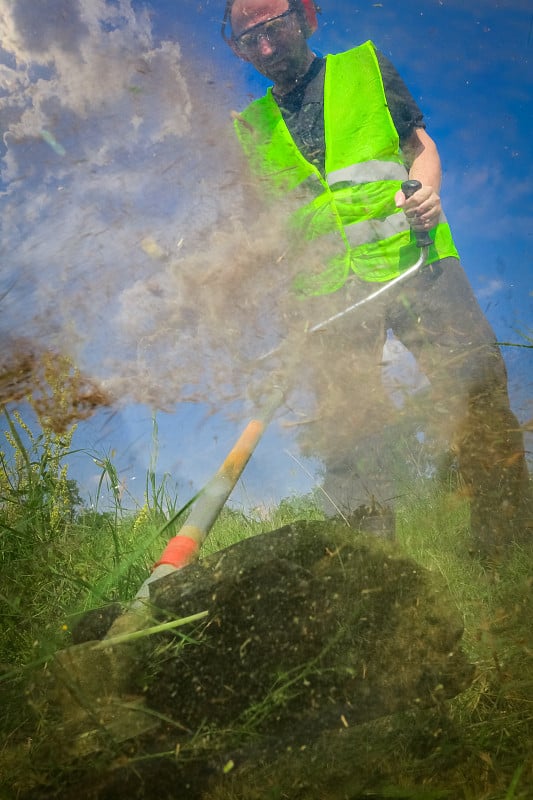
[{"x": 423, "y": 159}]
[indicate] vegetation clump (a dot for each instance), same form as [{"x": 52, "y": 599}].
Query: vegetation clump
[{"x": 58, "y": 559}]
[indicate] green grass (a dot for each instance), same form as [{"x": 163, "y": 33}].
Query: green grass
[
  {"x": 233, "y": 525},
  {"x": 479, "y": 746},
  {"x": 58, "y": 559}
]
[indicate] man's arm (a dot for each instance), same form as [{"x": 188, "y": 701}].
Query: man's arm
[
  {"x": 422, "y": 209},
  {"x": 422, "y": 159}
]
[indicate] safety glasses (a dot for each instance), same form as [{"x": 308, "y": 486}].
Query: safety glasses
[{"x": 273, "y": 30}]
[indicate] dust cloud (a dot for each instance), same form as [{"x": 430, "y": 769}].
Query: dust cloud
[
  {"x": 136, "y": 245},
  {"x": 133, "y": 241}
]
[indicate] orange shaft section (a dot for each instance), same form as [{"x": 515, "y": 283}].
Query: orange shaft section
[
  {"x": 214, "y": 496},
  {"x": 183, "y": 548},
  {"x": 239, "y": 455}
]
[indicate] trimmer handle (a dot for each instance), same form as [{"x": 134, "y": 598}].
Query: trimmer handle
[{"x": 423, "y": 238}]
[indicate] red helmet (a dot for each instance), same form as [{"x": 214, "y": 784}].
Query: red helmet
[{"x": 307, "y": 10}]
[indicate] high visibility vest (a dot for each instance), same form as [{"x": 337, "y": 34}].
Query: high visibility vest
[{"x": 364, "y": 168}]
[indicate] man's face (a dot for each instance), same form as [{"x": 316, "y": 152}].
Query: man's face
[{"x": 269, "y": 35}]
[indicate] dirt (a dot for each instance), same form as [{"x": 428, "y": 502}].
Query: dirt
[
  {"x": 311, "y": 629},
  {"x": 59, "y": 393}
]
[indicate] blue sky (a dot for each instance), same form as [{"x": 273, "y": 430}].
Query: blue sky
[{"x": 119, "y": 195}]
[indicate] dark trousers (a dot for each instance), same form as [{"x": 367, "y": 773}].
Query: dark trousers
[{"x": 466, "y": 406}]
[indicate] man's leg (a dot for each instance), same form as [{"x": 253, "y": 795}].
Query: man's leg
[
  {"x": 359, "y": 486},
  {"x": 439, "y": 320},
  {"x": 349, "y": 416}
]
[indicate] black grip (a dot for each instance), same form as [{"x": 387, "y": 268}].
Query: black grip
[
  {"x": 410, "y": 187},
  {"x": 423, "y": 238}
]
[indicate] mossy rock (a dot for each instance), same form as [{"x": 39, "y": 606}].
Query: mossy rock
[{"x": 311, "y": 622}]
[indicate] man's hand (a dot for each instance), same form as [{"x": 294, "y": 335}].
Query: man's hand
[{"x": 422, "y": 209}]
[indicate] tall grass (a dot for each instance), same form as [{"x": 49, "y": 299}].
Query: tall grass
[
  {"x": 37, "y": 508},
  {"x": 58, "y": 558}
]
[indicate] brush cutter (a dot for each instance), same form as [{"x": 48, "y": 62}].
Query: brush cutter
[
  {"x": 184, "y": 547},
  {"x": 94, "y": 674}
]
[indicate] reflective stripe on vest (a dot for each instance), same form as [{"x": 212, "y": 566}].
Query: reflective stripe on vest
[
  {"x": 368, "y": 171},
  {"x": 376, "y": 229},
  {"x": 364, "y": 169}
]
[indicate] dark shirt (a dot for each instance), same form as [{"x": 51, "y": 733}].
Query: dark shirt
[{"x": 303, "y": 108}]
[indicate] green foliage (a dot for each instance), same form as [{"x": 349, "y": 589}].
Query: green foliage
[
  {"x": 233, "y": 525},
  {"x": 58, "y": 559},
  {"x": 38, "y": 503},
  {"x": 35, "y": 494}
]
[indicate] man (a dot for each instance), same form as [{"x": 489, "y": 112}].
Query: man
[{"x": 337, "y": 137}]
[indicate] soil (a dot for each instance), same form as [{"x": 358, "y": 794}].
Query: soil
[{"x": 312, "y": 629}]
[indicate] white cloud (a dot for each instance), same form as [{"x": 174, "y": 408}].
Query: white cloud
[
  {"x": 94, "y": 75},
  {"x": 491, "y": 288},
  {"x": 108, "y": 146}
]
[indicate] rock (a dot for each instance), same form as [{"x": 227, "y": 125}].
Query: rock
[{"x": 309, "y": 627}]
